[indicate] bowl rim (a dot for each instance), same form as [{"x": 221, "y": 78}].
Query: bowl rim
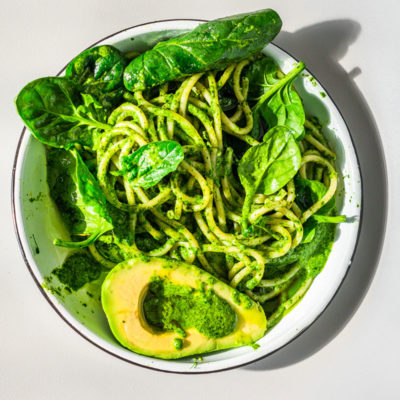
[{"x": 17, "y": 228}]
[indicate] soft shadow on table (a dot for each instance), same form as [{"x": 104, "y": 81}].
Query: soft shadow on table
[{"x": 321, "y": 47}]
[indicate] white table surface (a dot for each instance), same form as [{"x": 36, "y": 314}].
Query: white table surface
[{"x": 352, "y": 351}]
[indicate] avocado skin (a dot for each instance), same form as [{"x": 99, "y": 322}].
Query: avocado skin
[{"x": 125, "y": 289}]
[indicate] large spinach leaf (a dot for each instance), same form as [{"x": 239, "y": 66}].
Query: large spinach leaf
[
  {"x": 151, "y": 162},
  {"x": 269, "y": 166},
  {"x": 99, "y": 71},
  {"x": 78, "y": 197},
  {"x": 277, "y": 101},
  {"x": 58, "y": 115},
  {"x": 212, "y": 45}
]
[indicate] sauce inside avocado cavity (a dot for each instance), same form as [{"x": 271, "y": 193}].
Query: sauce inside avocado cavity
[{"x": 170, "y": 307}]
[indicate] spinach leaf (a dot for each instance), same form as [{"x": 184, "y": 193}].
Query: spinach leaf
[
  {"x": 308, "y": 192},
  {"x": 58, "y": 115},
  {"x": 151, "y": 162},
  {"x": 212, "y": 45},
  {"x": 78, "y": 197},
  {"x": 285, "y": 166},
  {"x": 257, "y": 132},
  {"x": 285, "y": 108},
  {"x": 261, "y": 73},
  {"x": 309, "y": 230},
  {"x": 99, "y": 71},
  {"x": 277, "y": 101},
  {"x": 269, "y": 166}
]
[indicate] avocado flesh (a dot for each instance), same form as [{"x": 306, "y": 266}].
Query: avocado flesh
[{"x": 124, "y": 292}]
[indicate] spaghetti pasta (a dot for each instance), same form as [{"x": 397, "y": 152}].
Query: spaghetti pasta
[{"x": 198, "y": 207}]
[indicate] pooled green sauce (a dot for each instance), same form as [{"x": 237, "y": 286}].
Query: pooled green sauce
[{"x": 169, "y": 307}]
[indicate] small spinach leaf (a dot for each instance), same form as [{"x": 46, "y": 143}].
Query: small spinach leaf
[
  {"x": 261, "y": 73},
  {"x": 285, "y": 108},
  {"x": 99, "y": 71},
  {"x": 308, "y": 192},
  {"x": 151, "y": 162},
  {"x": 285, "y": 166},
  {"x": 277, "y": 101},
  {"x": 257, "y": 131},
  {"x": 78, "y": 197},
  {"x": 57, "y": 115},
  {"x": 269, "y": 166},
  {"x": 309, "y": 230}
]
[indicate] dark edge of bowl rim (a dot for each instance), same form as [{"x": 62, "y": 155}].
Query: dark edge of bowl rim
[{"x": 194, "y": 372}]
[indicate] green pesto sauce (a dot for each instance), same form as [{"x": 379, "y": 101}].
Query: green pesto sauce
[
  {"x": 169, "y": 307},
  {"x": 242, "y": 300},
  {"x": 145, "y": 242},
  {"x": 108, "y": 249},
  {"x": 236, "y": 297},
  {"x": 312, "y": 257},
  {"x": 178, "y": 344},
  {"x": 77, "y": 270}
]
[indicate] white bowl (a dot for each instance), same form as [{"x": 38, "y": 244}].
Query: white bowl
[{"x": 37, "y": 224}]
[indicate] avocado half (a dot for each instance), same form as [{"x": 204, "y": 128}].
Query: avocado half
[{"x": 124, "y": 291}]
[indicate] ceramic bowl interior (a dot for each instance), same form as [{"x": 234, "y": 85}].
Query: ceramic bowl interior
[{"x": 38, "y": 223}]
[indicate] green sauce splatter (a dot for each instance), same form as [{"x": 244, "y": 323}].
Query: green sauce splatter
[
  {"x": 196, "y": 361},
  {"x": 255, "y": 346},
  {"x": 39, "y": 197}
]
